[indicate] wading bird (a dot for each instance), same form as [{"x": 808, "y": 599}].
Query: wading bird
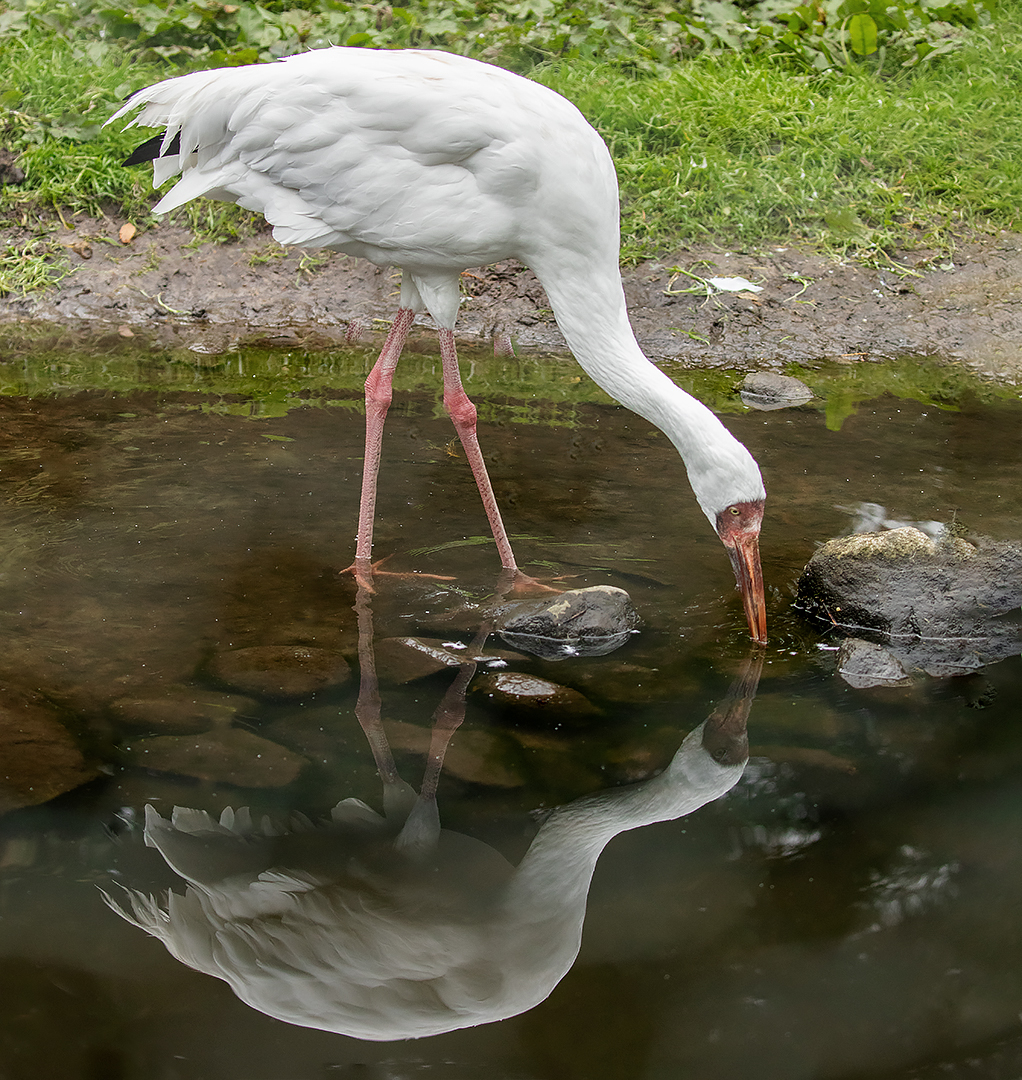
[{"x": 436, "y": 163}]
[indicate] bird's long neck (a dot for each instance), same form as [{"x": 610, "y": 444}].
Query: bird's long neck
[{"x": 589, "y": 305}]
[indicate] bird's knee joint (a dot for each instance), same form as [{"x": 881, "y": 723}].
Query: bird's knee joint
[{"x": 460, "y": 408}]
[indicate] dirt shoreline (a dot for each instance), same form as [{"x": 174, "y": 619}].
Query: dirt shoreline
[{"x": 215, "y": 297}]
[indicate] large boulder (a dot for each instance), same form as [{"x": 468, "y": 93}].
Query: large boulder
[{"x": 947, "y": 606}]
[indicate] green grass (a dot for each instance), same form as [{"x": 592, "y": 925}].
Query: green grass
[
  {"x": 736, "y": 150},
  {"x": 743, "y": 152}
]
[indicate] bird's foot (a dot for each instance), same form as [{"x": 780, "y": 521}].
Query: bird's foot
[
  {"x": 364, "y": 571},
  {"x": 515, "y": 583}
]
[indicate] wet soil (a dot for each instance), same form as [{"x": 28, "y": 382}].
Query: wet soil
[{"x": 215, "y": 297}]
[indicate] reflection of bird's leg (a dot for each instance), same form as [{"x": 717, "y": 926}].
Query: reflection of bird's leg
[
  {"x": 502, "y": 343},
  {"x": 423, "y": 824},
  {"x": 397, "y": 795},
  {"x": 725, "y": 737}
]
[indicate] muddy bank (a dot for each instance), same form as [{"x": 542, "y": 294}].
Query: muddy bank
[{"x": 217, "y": 296}]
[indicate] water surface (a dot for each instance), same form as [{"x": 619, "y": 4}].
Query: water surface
[{"x": 847, "y": 909}]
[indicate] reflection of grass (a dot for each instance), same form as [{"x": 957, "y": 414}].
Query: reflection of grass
[
  {"x": 842, "y": 388},
  {"x": 543, "y": 390}
]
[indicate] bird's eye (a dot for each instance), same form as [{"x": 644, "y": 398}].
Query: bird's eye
[{"x": 735, "y": 511}]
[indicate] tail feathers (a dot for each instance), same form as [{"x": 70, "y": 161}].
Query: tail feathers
[{"x": 193, "y": 184}]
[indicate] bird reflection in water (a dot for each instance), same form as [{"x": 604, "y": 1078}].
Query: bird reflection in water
[{"x": 392, "y": 927}]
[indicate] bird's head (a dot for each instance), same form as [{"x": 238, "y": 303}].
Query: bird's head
[
  {"x": 729, "y": 488},
  {"x": 738, "y": 526}
]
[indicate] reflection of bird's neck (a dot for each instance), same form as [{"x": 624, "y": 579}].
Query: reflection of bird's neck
[
  {"x": 552, "y": 881},
  {"x": 589, "y": 303}
]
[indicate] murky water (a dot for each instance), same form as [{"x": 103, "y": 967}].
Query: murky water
[{"x": 845, "y": 906}]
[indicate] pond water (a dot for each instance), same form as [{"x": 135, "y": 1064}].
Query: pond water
[{"x": 844, "y": 905}]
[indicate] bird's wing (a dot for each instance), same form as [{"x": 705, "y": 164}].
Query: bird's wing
[{"x": 410, "y": 157}]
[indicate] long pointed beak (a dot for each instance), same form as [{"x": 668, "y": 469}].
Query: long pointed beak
[{"x": 744, "y": 555}]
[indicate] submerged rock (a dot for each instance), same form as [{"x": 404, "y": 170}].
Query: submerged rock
[
  {"x": 580, "y": 622},
  {"x": 39, "y": 758},
  {"x": 947, "y": 606},
  {"x": 280, "y": 672},
  {"x": 765, "y": 391},
  {"x": 180, "y": 712},
  {"x": 535, "y": 700},
  {"x": 226, "y": 756},
  {"x": 864, "y": 663},
  {"x": 473, "y": 755}
]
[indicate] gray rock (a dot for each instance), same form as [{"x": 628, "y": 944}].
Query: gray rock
[
  {"x": 280, "y": 672},
  {"x": 533, "y": 700},
  {"x": 580, "y": 622},
  {"x": 39, "y": 758},
  {"x": 179, "y": 712},
  {"x": 863, "y": 664},
  {"x": 766, "y": 392},
  {"x": 225, "y": 756},
  {"x": 947, "y": 606}
]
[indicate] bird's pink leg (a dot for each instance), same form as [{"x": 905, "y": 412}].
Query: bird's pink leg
[
  {"x": 463, "y": 414},
  {"x": 379, "y": 390}
]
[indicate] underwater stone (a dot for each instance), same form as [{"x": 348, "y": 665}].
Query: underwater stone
[
  {"x": 405, "y": 659},
  {"x": 580, "y": 622},
  {"x": 863, "y": 664},
  {"x": 473, "y": 755},
  {"x": 280, "y": 671},
  {"x": 226, "y": 756},
  {"x": 39, "y": 758},
  {"x": 185, "y": 712}
]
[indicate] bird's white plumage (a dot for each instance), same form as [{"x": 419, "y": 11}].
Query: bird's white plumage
[{"x": 437, "y": 163}]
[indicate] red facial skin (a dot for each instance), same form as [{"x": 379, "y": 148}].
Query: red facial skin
[{"x": 738, "y": 528}]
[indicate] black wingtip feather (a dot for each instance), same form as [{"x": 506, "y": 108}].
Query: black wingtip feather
[{"x": 150, "y": 150}]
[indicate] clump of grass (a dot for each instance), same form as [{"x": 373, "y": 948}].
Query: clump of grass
[
  {"x": 32, "y": 265},
  {"x": 55, "y": 94}
]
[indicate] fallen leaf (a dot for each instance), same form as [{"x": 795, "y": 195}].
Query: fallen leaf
[
  {"x": 126, "y": 233},
  {"x": 125, "y": 331}
]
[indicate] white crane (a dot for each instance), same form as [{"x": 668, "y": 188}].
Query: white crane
[{"x": 436, "y": 163}]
